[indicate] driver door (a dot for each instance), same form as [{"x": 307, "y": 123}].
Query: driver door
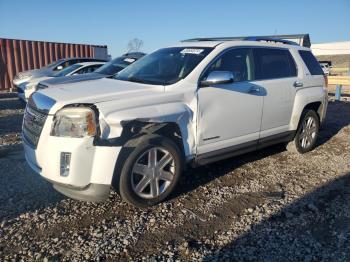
[{"x": 229, "y": 116}]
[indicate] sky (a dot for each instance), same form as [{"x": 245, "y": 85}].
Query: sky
[{"x": 161, "y": 23}]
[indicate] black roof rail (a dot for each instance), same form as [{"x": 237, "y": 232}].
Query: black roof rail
[
  {"x": 212, "y": 39},
  {"x": 296, "y": 39},
  {"x": 269, "y": 39}
]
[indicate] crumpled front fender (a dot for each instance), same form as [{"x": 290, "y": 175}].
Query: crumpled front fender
[{"x": 175, "y": 112}]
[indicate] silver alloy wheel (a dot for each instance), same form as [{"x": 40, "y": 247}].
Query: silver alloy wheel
[
  {"x": 153, "y": 173},
  {"x": 308, "y": 132}
]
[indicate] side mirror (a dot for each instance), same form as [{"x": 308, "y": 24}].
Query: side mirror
[
  {"x": 218, "y": 77},
  {"x": 59, "y": 67}
]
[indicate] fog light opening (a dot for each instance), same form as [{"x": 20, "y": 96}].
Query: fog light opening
[{"x": 65, "y": 163}]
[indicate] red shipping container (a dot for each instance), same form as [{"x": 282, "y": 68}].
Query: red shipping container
[{"x": 22, "y": 55}]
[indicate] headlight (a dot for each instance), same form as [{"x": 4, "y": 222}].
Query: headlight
[
  {"x": 74, "y": 122},
  {"x": 21, "y": 76},
  {"x": 30, "y": 86}
]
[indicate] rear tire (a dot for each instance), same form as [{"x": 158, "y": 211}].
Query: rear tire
[
  {"x": 151, "y": 171},
  {"x": 307, "y": 133}
]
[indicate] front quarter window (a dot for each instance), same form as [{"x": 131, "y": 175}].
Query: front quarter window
[{"x": 165, "y": 66}]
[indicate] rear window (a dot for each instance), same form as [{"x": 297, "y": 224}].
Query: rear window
[
  {"x": 311, "y": 62},
  {"x": 274, "y": 63}
]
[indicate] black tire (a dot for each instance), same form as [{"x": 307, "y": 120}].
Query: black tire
[
  {"x": 296, "y": 146},
  {"x": 138, "y": 148}
]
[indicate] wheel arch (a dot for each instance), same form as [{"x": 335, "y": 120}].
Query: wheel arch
[
  {"x": 134, "y": 131},
  {"x": 139, "y": 128},
  {"x": 315, "y": 106},
  {"x": 308, "y": 98}
]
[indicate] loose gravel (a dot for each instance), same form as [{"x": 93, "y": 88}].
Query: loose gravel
[{"x": 269, "y": 205}]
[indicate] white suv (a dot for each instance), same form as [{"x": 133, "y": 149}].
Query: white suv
[{"x": 193, "y": 103}]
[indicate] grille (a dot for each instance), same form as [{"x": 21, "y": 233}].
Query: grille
[{"x": 33, "y": 123}]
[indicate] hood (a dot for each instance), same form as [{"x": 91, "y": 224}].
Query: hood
[
  {"x": 72, "y": 79},
  {"x": 38, "y": 72},
  {"x": 39, "y": 79},
  {"x": 96, "y": 91},
  {"x": 34, "y": 81},
  {"x": 22, "y": 78}
]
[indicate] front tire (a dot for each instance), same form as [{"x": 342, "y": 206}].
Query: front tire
[
  {"x": 151, "y": 171},
  {"x": 307, "y": 133}
]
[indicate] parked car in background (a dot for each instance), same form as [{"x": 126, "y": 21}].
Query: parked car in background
[
  {"x": 193, "y": 103},
  {"x": 25, "y": 89},
  {"x": 107, "y": 70},
  {"x": 51, "y": 69}
]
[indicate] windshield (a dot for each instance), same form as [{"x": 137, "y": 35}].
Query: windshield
[
  {"x": 165, "y": 66},
  {"x": 66, "y": 71},
  {"x": 115, "y": 65}
]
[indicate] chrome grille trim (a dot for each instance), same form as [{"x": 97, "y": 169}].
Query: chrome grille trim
[
  {"x": 35, "y": 115},
  {"x": 33, "y": 123}
]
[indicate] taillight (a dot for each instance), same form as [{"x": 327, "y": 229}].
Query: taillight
[{"x": 325, "y": 80}]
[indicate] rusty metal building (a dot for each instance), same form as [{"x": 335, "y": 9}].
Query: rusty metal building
[{"x": 21, "y": 55}]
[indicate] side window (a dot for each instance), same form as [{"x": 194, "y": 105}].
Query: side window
[
  {"x": 311, "y": 63},
  {"x": 274, "y": 63},
  {"x": 95, "y": 67},
  {"x": 81, "y": 71},
  {"x": 87, "y": 69},
  {"x": 239, "y": 61}
]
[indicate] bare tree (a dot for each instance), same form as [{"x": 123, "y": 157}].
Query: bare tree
[{"x": 134, "y": 45}]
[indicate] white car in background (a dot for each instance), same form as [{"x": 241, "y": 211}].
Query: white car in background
[
  {"x": 51, "y": 69},
  {"x": 25, "y": 89}
]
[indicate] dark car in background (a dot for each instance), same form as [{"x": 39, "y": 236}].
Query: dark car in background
[{"x": 107, "y": 70}]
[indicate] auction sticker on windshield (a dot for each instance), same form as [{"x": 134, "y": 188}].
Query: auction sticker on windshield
[{"x": 194, "y": 51}]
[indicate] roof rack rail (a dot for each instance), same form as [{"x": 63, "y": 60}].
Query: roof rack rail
[
  {"x": 269, "y": 39},
  {"x": 213, "y": 39},
  {"x": 249, "y": 38}
]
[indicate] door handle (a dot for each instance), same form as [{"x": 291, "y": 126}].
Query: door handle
[
  {"x": 298, "y": 84},
  {"x": 254, "y": 89}
]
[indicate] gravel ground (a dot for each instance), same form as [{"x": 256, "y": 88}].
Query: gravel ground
[{"x": 268, "y": 205}]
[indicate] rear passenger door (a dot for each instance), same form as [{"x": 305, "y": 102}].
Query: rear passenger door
[{"x": 276, "y": 72}]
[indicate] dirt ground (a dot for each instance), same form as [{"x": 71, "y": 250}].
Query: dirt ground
[{"x": 269, "y": 205}]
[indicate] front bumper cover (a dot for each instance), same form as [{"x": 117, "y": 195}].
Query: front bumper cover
[{"x": 90, "y": 193}]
